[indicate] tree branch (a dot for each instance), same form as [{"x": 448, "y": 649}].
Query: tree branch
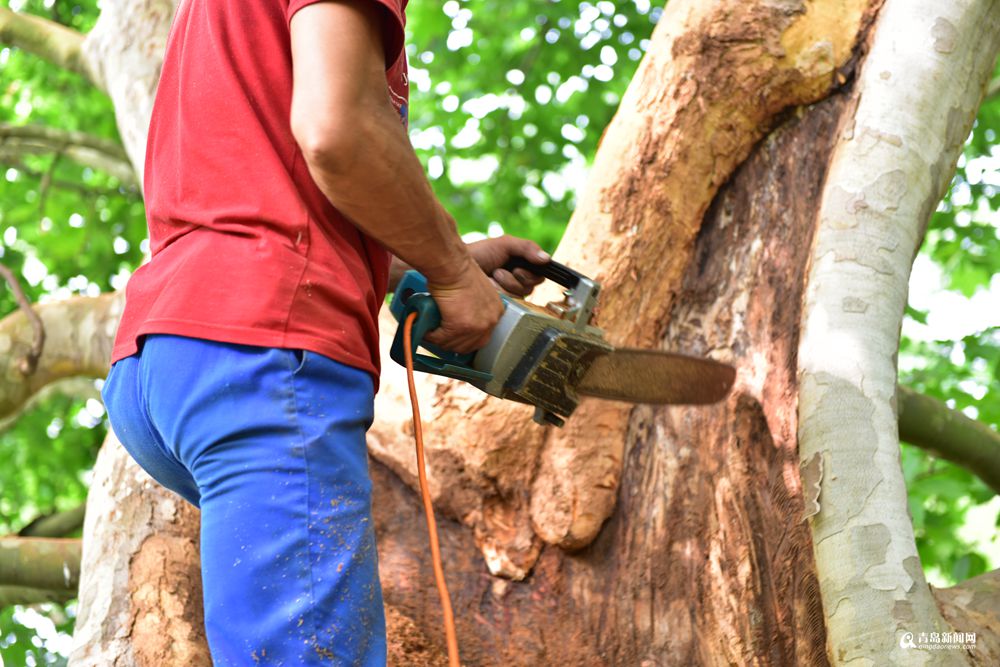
[
  {"x": 929, "y": 424},
  {"x": 40, "y": 562},
  {"x": 29, "y": 361},
  {"x": 80, "y": 387},
  {"x": 59, "y": 524},
  {"x": 992, "y": 90},
  {"x": 84, "y": 149},
  {"x": 80, "y": 335},
  {"x": 853, "y": 306},
  {"x": 23, "y": 595},
  {"x": 73, "y": 186},
  {"x": 46, "y": 39}
]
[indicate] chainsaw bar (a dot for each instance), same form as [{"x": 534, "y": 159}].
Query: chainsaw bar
[{"x": 651, "y": 376}]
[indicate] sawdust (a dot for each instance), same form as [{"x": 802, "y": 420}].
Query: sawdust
[{"x": 407, "y": 645}]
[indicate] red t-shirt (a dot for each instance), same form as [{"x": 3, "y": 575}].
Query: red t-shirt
[{"x": 245, "y": 247}]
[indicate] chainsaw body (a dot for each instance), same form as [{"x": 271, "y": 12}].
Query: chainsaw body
[
  {"x": 535, "y": 355},
  {"x": 549, "y": 357}
]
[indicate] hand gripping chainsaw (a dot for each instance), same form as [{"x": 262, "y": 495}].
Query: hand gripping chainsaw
[{"x": 549, "y": 357}]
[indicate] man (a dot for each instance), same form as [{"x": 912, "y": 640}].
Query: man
[{"x": 278, "y": 180}]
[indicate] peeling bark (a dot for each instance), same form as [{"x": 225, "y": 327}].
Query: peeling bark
[
  {"x": 916, "y": 99},
  {"x": 140, "y": 596},
  {"x": 674, "y": 141},
  {"x": 973, "y": 606},
  {"x": 705, "y": 560}
]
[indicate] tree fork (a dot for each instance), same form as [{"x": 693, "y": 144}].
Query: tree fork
[{"x": 716, "y": 78}]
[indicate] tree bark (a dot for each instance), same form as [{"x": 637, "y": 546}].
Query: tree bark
[
  {"x": 140, "y": 592},
  {"x": 972, "y": 607},
  {"x": 716, "y": 78},
  {"x": 705, "y": 559}
]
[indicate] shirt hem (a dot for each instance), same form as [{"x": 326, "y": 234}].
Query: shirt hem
[{"x": 245, "y": 336}]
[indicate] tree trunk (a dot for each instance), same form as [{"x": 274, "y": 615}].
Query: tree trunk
[
  {"x": 635, "y": 536},
  {"x": 706, "y": 559},
  {"x": 918, "y": 93}
]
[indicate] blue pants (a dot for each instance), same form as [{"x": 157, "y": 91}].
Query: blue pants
[{"x": 270, "y": 444}]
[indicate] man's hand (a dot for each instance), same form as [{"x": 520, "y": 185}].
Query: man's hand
[
  {"x": 492, "y": 254},
  {"x": 471, "y": 306}
]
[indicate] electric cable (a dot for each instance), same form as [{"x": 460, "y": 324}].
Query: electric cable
[{"x": 418, "y": 434}]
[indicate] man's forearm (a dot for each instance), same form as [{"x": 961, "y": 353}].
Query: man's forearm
[
  {"x": 375, "y": 179},
  {"x": 396, "y": 270}
]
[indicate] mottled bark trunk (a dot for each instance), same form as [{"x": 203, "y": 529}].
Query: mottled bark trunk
[
  {"x": 917, "y": 97},
  {"x": 140, "y": 591}
]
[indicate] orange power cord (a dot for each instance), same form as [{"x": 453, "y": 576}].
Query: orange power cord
[{"x": 418, "y": 434}]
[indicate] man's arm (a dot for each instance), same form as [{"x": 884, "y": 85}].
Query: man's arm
[{"x": 360, "y": 157}]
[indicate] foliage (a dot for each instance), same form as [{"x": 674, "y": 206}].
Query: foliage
[{"x": 509, "y": 101}]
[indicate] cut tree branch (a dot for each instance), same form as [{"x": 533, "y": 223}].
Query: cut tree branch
[
  {"x": 40, "y": 562},
  {"x": 46, "y": 39},
  {"x": 29, "y": 361},
  {"x": 84, "y": 149},
  {"x": 59, "y": 524},
  {"x": 931, "y": 425}
]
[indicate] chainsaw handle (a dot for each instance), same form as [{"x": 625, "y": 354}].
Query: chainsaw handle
[
  {"x": 554, "y": 271},
  {"x": 443, "y": 362}
]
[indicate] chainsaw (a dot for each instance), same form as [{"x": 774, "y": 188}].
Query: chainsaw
[{"x": 549, "y": 357}]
